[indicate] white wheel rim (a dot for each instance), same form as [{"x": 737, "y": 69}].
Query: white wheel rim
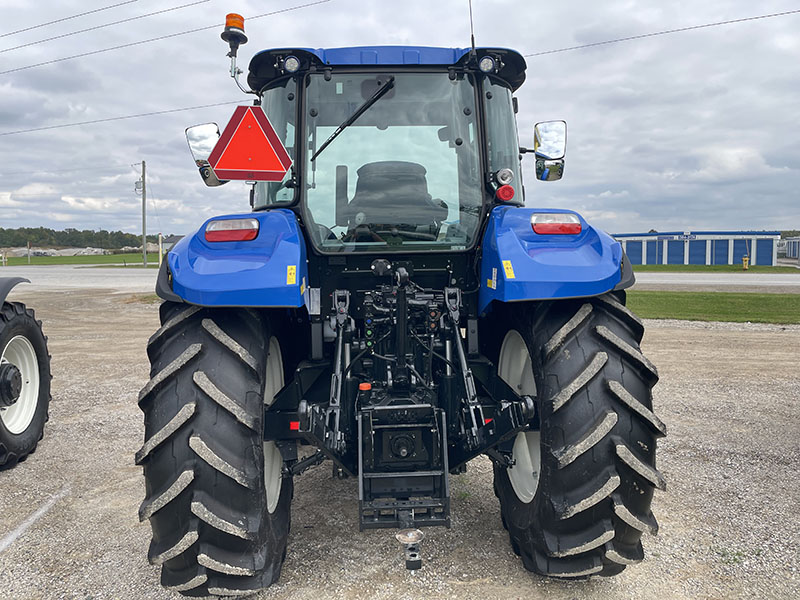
[
  {"x": 515, "y": 368},
  {"x": 273, "y": 462},
  {"x": 20, "y": 353}
]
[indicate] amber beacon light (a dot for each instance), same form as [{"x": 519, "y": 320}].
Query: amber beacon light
[{"x": 234, "y": 31}]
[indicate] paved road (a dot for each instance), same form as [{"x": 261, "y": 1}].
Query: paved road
[
  {"x": 46, "y": 278},
  {"x": 721, "y": 279},
  {"x": 132, "y": 280},
  {"x": 787, "y": 283}
]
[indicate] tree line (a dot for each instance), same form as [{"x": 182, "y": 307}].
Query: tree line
[{"x": 74, "y": 238}]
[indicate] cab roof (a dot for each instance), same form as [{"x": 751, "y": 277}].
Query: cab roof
[{"x": 264, "y": 66}]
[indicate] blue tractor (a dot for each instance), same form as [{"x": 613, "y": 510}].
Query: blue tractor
[{"x": 391, "y": 305}]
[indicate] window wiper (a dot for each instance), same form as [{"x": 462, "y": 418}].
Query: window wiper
[{"x": 358, "y": 112}]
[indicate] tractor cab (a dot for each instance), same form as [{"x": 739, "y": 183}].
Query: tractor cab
[{"x": 394, "y": 148}]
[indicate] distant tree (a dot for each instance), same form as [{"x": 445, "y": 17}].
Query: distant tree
[{"x": 42, "y": 237}]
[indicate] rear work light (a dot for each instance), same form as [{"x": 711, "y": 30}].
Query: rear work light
[
  {"x": 232, "y": 230},
  {"x": 556, "y": 223}
]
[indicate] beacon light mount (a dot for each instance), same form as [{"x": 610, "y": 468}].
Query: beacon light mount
[{"x": 235, "y": 36}]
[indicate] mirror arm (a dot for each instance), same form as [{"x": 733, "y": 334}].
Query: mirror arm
[{"x": 524, "y": 150}]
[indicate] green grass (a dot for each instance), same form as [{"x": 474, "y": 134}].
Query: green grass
[
  {"x": 103, "y": 259},
  {"x": 143, "y": 299},
  {"x": 150, "y": 265},
  {"x": 716, "y": 306},
  {"x": 729, "y": 557},
  {"x": 711, "y": 269}
]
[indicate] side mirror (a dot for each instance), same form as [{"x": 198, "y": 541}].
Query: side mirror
[
  {"x": 202, "y": 139},
  {"x": 549, "y": 170},
  {"x": 550, "y": 140},
  {"x": 550, "y": 146}
]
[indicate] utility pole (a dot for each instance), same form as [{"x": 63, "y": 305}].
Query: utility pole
[{"x": 144, "y": 216}]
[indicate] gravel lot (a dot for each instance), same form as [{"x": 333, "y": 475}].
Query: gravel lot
[{"x": 729, "y": 521}]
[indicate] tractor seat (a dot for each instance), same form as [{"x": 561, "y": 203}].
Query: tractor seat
[{"x": 394, "y": 193}]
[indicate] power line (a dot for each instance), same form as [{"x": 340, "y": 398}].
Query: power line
[
  {"x": 657, "y": 33},
  {"x": 83, "y": 14},
  {"x": 109, "y": 168},
  {"x": 152, "y": 199},
  {"x": 155, "y": 39},
  {"x": 107, "y": 119},
  {"x": 63, "y": 35},
  {"x": 15, "y": 195}
]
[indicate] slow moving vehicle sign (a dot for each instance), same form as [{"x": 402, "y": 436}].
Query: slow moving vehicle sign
[{"x": 249, "y": 149}]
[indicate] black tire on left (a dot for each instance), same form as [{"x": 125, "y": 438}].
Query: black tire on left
[
  {"x": 214, "y": 530},
  {"x": 19, "y": 323}
]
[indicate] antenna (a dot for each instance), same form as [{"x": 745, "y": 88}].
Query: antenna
[{"x": 471, "y": 28}]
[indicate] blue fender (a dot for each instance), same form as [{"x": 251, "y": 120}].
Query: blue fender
[
  {"x": 269, "y": 270},
  {"x": 518, "y": 264}
]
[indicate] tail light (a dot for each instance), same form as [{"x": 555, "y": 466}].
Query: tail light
[
  {"x": 232, "y": 230},
  {"x": 556, "y": 223}
]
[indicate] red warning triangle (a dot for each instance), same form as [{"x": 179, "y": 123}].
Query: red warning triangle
[{"x": 249, "y": 149}]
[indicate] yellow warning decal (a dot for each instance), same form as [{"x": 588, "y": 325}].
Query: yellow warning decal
[
  {"x": 303, "y": 286},
  {"x": 508, "y": 269},
  {"x": 291, "y": 274}
]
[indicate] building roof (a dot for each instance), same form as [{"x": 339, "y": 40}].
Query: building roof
[{"x": 674, "y": 233}]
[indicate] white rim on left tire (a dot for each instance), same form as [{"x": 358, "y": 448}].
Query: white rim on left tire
[
  {"x": 514, "y": 366},
  {"x": 273, "y": 462},
  {"x": 20, "y": 353}
]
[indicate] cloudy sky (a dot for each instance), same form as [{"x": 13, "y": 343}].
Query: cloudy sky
[{"x": 694, "y": 130}]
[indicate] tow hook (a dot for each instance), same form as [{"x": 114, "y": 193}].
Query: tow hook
[
  {"x": 10, "y": 384},
  {"x": 410, "y": 538}
]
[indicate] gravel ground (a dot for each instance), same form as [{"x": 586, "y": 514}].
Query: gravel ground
[{"x": 729, "y": 527}]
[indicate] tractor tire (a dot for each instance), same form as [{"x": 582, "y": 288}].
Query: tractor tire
[
  {"x": 216, "y": 499},
  {"x": 580, "y": 497},
  {"x": 23, "y": 410}
]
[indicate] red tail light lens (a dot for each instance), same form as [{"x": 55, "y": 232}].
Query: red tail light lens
[
  {"x": 505, "y": 193},
  {"x": 556, "y": 223},
  {"x": 232, "y": 230}
]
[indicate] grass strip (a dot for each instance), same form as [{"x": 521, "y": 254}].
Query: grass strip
[
  {"x": 100, "y": 259},
  {"x": 716, "y": 306}
]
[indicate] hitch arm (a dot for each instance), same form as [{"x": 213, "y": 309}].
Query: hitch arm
[
  {"x": 341, "y": 299},
  {"x": 453, "y": 304}
]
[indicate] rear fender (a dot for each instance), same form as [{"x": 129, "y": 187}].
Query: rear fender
[
  {"x": 518, "y": 264},
  {"x": 6, "y": 285},
  {"x": 268, "y": 271}
]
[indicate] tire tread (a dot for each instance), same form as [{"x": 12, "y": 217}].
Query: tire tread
[{"x": 598, "y": 439}]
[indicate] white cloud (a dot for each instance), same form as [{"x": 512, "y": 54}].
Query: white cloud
[
  {"x": 7, "y": 201},
  {"x": 61, "y": 217},
  {"x": 726, "y": 165},
  {"x": 92, "y": 204}
]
